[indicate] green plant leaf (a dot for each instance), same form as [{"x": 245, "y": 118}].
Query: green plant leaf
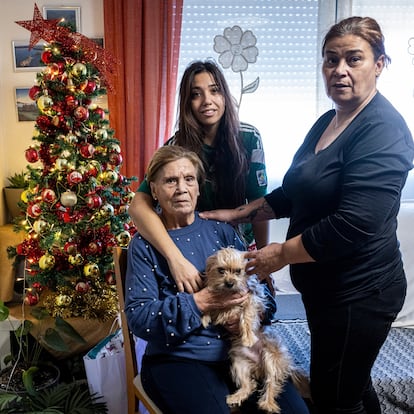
[
  {"x": 67, "y": 329},
  {"x": 4, "y": 311},
  {"x": 40, "y": 313},
  {"x": 27, "y": 378},
  {"x": 24, "y": 328},
  {"x": 8, "y": 399},
  {"x": 54, "y": 341}
]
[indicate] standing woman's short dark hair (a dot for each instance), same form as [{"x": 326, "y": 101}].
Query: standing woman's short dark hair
[
  {"x": 231, "y": 160},
  {"x": 364, "y": 27}
]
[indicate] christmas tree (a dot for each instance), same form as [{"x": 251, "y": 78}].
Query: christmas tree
[{"x": 75, "y": 209}]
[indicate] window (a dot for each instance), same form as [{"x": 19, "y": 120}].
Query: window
[{"x": 291, "y": 95}]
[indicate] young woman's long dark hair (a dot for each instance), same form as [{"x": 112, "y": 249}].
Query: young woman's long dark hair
[{"x": 231, "y": 160}]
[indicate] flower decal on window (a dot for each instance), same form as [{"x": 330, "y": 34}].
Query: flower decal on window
[
  {"x": 237, "y": 49},
  {"x": 411, "y": 47}
]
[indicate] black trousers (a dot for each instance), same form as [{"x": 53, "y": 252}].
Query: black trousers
[
  {"x": 183, "y": 386},
  {"x": 345, "y": 341}
]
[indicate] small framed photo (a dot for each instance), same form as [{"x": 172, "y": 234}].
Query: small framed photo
[
  {"x": 98, "y": 40},
  {"x": 69, "y": 16},
  {"x": 25, "y": 59},
  {"x": 27, "y": 109}
]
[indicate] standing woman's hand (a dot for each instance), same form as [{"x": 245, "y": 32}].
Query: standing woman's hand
[
  {"x": 265, "y": 261},
  {"x": 274, "y": 256}
]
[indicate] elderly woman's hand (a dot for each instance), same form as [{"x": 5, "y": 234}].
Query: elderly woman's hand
[{"x": 207, "y": 300}]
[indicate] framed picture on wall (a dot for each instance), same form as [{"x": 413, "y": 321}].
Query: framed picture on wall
[
  {"x": 98, "y": 40},
  {"x": 27, "y": 109},
  {"x": 25, "y": 59},
  {"x": 69, "y": 15}
]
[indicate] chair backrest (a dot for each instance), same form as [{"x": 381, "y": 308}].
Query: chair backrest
[{"x": 135, "y": 391}]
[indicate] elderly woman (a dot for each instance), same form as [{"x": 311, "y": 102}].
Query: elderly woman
[{"x": 185, "y": 368}]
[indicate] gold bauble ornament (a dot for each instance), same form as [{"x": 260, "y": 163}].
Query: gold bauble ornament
[
  {"x": 63, "y": 300},
  {"x": 47, "y": 261},
  {"x": 91, "y": 269},
  {"x": 123, "y": 238},
  {"x": 79, "y": 70},
  {"x": 76, "y": 259},
  {"x": 44, "y": 103},
  {"x": 40, "y": 226}
]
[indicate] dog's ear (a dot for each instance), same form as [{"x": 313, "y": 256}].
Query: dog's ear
[{"x": 210, "y": 262}]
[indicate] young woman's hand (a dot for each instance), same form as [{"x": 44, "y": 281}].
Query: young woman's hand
[{"x": 186, "y": 276}]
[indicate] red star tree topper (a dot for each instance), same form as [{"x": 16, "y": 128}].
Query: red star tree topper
[{"x": 76, "y": 207}]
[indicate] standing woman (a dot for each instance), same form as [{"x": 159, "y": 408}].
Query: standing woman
[
  {"x": 342, "y": 194},
  {"x": 232, "y": 155}
]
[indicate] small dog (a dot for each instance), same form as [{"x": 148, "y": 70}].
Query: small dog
[{"x": 267, "y": 362}]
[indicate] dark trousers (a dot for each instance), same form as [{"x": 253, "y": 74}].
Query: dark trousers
[
  {"x": 345, "y": 341},
  {"x": 181, "y": 386}
]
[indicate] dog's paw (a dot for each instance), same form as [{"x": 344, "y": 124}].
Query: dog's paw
[
  {"x": 205, "y": 320},
  {"x": 236, "y": 399},
  {"x": 269, "y": 406}
]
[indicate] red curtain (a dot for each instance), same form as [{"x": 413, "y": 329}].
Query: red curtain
[{"x": 144, "y": 35}]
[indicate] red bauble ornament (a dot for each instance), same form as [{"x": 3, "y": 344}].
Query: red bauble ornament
[
  {"x": 115, "y": 158},
  {"x": 70, "y": 248},
  {"x": 21, "y": 249},
  {"x": 71, "y": 101},
  {"x": 74, "y": 177},
  {"x": 90, "y": 86},
  {"x": 81, "y": 113},
  {"x": 48, "y": 195},
  {"x": 31, "y": 155},
  {"x": 82, "y": 287},
  {"x": 94, "y": 247},
  {"x": 31, "y": 298},
  {"x": 34, "y": 92},
  {"x": 38, "y": 287},
  {"x": 93, "y": 201},
  {"x": 100, "y": 112},
  {"x": 34, "y": 210},
  {"x": 47, "y": 56},
  {"x": 87, "y": 150}
]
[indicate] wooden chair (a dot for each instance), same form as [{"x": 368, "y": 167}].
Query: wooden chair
[{"x": 135, "y": 391}]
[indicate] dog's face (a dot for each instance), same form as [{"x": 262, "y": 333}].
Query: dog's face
[{"x": 225, "y": 270}]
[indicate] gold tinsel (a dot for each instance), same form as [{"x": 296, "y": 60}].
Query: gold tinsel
[{"x": 102, "y": 304}]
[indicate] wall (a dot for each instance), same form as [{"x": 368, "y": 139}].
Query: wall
[{"x": 16, "y": 136}]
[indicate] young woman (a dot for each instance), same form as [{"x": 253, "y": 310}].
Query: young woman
[{"x": 232, "y": 155}]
